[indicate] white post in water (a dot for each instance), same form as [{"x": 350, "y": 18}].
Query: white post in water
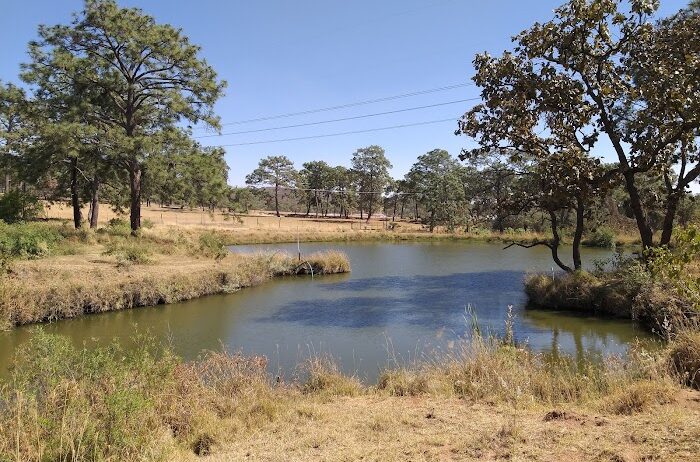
[{"x": 298, "y": 246}]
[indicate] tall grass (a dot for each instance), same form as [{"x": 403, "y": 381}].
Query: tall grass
[{"x": 106, "y": 403}]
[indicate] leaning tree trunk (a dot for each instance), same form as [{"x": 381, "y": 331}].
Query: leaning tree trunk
[
  {"x": 671, "y": 209},
  {"x": 74, "y": 193},
  {"x": 135, "y": 187},
  {"x": 95, "y": 203},
  {"x": 556, "y": 240}
]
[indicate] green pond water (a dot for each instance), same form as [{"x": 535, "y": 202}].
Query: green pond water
[{"x": 400, "y": 302}]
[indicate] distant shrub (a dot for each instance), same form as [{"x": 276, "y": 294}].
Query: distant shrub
[
  {"x": 603, "y": 237},
  {"x": 128, "y": 252},
  {"x": 212, "y": 245},
  {"x": 147, "y": 224},
  {"x": 27, "y": 240},
  {"x": 117, "y": 227},
  {"x": 19, "y": 206}
]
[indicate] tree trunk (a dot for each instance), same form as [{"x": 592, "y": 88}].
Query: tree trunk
[
  {"x": 74, "y": 193},
  {"x": 369, "y": 208},
  {"x": 556, "y": 240},
  {"x": 135, "y": 187},
  {"x": 645, "y": 232},
  {"x": 95, "y": 203},
  {"x": 396, "y": 200},
  {"x": 578, "y": 234},
  {"x": 277, "y": 203},
  {"x": 7, "y": 183},
  {"x": 669, "y": 217},
  {"x": 316, "y": 201}
]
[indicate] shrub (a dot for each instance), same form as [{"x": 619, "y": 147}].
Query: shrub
[
  {"x": 117, "y": 227},
  {"x": 27, "y": 240},
  {"x": 128, "y": 252},
  {"x": 602, "y": 237},
  {"x": 212, "y": 245},
  {"x": 19, "y": 206}
]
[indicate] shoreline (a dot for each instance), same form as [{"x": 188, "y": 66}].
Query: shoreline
[{"x": 39, "y": 291}]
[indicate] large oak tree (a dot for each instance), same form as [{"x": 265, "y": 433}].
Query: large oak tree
[{"x": 601, "y": 68}]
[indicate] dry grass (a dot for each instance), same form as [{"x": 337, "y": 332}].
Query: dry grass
[
  {"x": 123, "y": 272},
  {"x": 684, "y": 357},
  {"x": 489, "y": 401},
  {"x": 265, "y": 228},
  {"x": 581, "y": 291}
]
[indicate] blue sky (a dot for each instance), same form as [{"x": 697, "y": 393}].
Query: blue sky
[{"x": 287, "y": 56}]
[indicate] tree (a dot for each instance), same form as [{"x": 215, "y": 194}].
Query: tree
[
  {"x": 438, "y": 187},
  {"x": 273, "y": 171},
  {"x": 149, "y": 75},
  {"x": 317, "y": 178},
  {"x": 12, "y": 104},
  {"x": 598, "y": 69},
  {"x": 371, "y": 170}
]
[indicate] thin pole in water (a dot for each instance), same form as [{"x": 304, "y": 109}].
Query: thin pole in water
[{"x": 298, "y": 246}]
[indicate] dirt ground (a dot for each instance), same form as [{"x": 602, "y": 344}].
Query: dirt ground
[{"x": 433, "y": 429}]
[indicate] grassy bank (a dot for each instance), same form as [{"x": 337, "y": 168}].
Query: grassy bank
[
  {"x": 662, "y": 291},
  {"x": 60, "y": 273},
  {"x": 483, "y": 400}
]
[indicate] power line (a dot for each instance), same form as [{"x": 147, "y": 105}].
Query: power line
[
  {"x": 341, "y": 119},
  {"x": 359, "y": 103},
  {"x": 453, "y": 119},
  {"x": 338, "y": 191}
]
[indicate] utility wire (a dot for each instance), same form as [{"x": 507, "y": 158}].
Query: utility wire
[
  {"x": 359, "y": 103},
  {"x": 341, "y": 119},
  {"x": 337, "y": 191},
  {"x": 453, "y": 119}
]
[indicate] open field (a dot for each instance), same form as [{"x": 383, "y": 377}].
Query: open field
[{"x": 262, "y": 227}]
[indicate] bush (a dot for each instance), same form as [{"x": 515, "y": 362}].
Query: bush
[
  {"x": 212, "y": 245},
  {"x": 128, "y": 252},
  {"x": 117, "y": 227},
  {"x": 19, "y": 206},
  {"x": 603, "y": 237},
  {"x": 27, "y": 240}
]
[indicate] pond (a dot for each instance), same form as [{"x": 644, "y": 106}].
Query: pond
[{"x": 400, "y": 302}]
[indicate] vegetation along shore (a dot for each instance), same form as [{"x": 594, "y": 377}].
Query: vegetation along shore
[{"x": 54, "y": 272}]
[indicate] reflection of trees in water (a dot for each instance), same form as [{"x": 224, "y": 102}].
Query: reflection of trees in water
[{"x": 589, "y": 336}]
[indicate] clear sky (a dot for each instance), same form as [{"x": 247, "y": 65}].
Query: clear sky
[{"x": 284, "y": 56}]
